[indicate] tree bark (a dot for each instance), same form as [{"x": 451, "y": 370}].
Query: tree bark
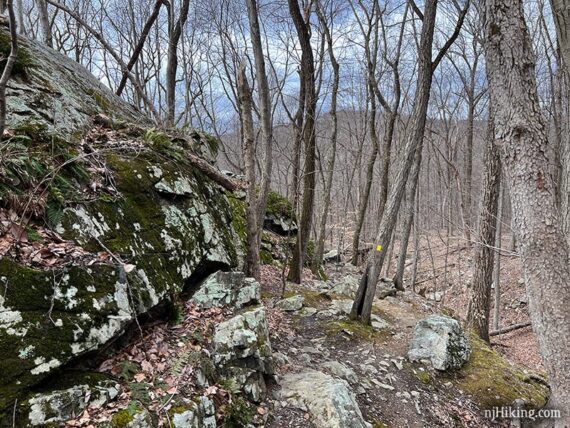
[
  {"x": 7, "y": 72},
  {"x": 252, "y": 230},
  {"x": 45, "y": 23},
  {"x": 521, "y": 135},
  {"x": 480, "y": 303}
]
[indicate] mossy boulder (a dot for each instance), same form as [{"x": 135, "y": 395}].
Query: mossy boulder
[
  {"x": 494, "y": 382},
  {"x": 280, "y": 217},
  {"x": 163, "y": 225},
  {"x": 66, "y": 398},
  {"x": 243, "y": 352}
]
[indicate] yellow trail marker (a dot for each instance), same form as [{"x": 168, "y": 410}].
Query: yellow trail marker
[{"x": 378, "y": 247}]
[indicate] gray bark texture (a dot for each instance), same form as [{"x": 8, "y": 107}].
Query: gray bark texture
[
  {"x": 480, "y": 304},
  {"x": 520, "y": 133}
]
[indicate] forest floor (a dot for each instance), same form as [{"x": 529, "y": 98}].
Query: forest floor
[
  {"x": 390, "y": 391},
  {"x": 448, "y": 270}
]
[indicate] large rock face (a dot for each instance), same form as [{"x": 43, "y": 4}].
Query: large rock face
[
  {"x": 440, "y": 341},
  {"x": 163, "y": 225},
  {"x": 49, "y": 89}
]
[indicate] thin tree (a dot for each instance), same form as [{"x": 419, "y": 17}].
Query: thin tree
[
  {"x": 10, "y": 61},
  {"x": 309, "y": 139},
  {"x": 319, "y": 251},
  {"x": 362, "y": 306}
]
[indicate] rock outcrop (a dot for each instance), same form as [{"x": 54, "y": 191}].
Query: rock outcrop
[
  {"x": 144, "y": 223},
  {"x": 243, "y": 352},
  {"x": 439, "y": 340}
]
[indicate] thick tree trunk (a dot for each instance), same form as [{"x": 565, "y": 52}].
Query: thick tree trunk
[
  {"x": 309, "y": 138},
  {"x": 521, "y": 135},
  {"x": 480, "y": 304}
]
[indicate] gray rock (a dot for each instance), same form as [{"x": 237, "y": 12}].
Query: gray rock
[
  {"x": 243, "y": 351},
  {"x": 347, "y": 286},
  {"x": 202, "y": 415},
  {"x": 341, "y": 307},
  {"x": 340, "y": 370},
  {"x": 308, "y": 311},
  {"x": 331, "y": 256},
  {"x": 436, "y": 297},
  {"x": 439, "y": 340},
  {"x": 378, "y": 323},
  {"x": 141, "y": 419},
  {"x": 59, "y": 406},
  {"x": 290, "y": 304},
  {"x": 227, "y": 288},
  {"x": 329, "y": 400}
]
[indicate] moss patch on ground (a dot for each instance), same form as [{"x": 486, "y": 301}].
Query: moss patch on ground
[
  {"x": 494, "y": 382},
  {"x": 354, "y": 329}
]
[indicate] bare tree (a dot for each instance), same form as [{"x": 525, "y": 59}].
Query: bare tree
[
  {"x": 8, "y": 67},
  {"x": 309, "y": 138},
  {"x": 362, "y": 306}
]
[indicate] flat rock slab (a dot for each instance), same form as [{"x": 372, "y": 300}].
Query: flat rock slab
[{"x": 329, "y": 400}]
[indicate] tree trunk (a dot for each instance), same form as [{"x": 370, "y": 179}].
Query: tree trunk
[
  {"x": 265, "y": 114},
  {"x": 172, "y": 59},
  {"x": 521, "y": 135},
  {"x": 363, "y": 205},
  {"x": 309, "y": 138},
  {"x": 252, "y": 230},
  {"x": 480, "y": 304},
  {"x": 497, "y": 267},
  {"x": 561, "y": 15},
  {"x": 408, "y": 219},
  {"x": 45, "y": 23},
  {"x": 320, "y": 247}
]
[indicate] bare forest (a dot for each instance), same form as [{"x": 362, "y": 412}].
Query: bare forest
[{"x": 284, "y": 213}]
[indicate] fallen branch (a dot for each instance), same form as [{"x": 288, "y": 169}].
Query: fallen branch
[
  {"x": 509, "y": 329},
  {"x": 214, "y": 174}
]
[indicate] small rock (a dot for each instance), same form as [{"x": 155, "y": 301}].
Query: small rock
[
  {"x": 290, "y": 304},
  {"x": 340, "y": 370}
]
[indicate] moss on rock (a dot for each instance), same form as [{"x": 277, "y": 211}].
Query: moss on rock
[{"x": 494, "y": 382}]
